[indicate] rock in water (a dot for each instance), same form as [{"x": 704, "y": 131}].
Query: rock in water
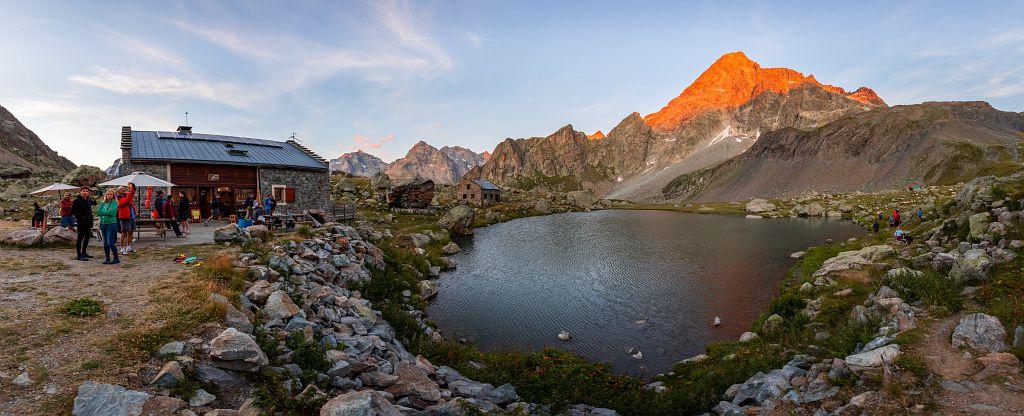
[
  {"x": 459, "y": 220},
  {"x": 97, "y": 399},
  {"x": 451, "y": 248},
  {"x": 236, "y": 350},
  {"x": 760, "y": 205},
  {"x": 564, "y": 336},
  {"x": 360, "y": 403},
  {"x": 980, "y": 331}
]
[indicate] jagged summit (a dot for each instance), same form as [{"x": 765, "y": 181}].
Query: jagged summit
[{"x": 733, "y": 80}]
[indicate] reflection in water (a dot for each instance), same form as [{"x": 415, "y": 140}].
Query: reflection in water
[{"x": 620, "y": 279}]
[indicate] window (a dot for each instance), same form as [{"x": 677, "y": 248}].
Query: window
[
  {"x": 463, "y": 196},
  {"x": 467, "y": 186},
  {"x": 283, "y": 194}
]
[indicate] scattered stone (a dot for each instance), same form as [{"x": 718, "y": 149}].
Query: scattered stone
[
  {"x": 173, "y": 348},
  {"x": 564, "y": 336},
  {"x": 280, "y": 306},
  {"x": 872, "y": 360},
  {"x": 23, "y": 380},
  {"x": 759, "y": 205},
  {"x": 230, "y": 233},
  {"x": 169, "y": 376},
  {"x": 748, "y": 336},
  {"x": 798, "y": 255},
  {"x": 450, "y": 248}
]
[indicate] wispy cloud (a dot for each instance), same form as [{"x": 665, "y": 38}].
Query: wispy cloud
[
  {"x": 141, "y": 47},
  {"x": 132, "y": 82},
  {"x": 365, "y": 143}
]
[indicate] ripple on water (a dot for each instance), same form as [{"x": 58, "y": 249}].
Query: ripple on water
[{"x": 596, "y": 274}]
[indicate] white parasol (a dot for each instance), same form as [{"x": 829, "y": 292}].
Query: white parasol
[
  {"x": 55, "y": 189},
  {"x": 140, "y": 180}
]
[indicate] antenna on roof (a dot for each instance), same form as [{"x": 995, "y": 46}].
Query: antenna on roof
[
  {"x": 186, "y": 117},
  {"x": 294, "y": 137}
]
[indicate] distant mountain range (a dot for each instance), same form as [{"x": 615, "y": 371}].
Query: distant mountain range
[
  {"x": 742, "y": 131},
  {"x": 19, "y": 146},
  {"x": 445, "y": 165}
]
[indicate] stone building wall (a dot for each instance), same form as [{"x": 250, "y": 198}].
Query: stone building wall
[{"x": 312, "y": 188}]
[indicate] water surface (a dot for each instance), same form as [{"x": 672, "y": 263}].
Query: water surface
[{"x": 617, "y": 280}]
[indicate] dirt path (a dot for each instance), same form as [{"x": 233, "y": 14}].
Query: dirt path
[
  {"x": 58, "y": 351},
  {"x": 960, "y": 393}
]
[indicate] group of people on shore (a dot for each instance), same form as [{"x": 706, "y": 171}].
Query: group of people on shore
[
  {"x": 896, "y": 221},
  {"x": 116, "y": 214}
]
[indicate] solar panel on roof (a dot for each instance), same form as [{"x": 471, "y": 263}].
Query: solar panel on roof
[{"x": 150, "y": 145}]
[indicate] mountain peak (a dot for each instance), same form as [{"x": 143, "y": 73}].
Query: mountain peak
[
  {"x": 597, "y": 135},
  {"x": 733, "y": 80}
]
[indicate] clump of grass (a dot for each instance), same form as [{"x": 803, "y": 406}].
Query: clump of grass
[
  {"x": 221, "y": 271},
  {"x": 940, "y": 294},
  {"x": 304, "y": 231},
  {"x": 91, "y": 365},
  {"x": 82, "y": 307},
  {"x": 259, "y": 248}
]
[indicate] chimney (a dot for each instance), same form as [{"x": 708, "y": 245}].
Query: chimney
[
  {"x": 126, "y": 137},
  {"x": 186, "y": 130}
]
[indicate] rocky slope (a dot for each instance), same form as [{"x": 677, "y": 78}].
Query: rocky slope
[
  {"x": 936, "y": 142},
  {"x": 733, "y": 102},
  {"x": 445, "y": 165},
  {"x": 22, "y": 151},
  {"x": 358, "y": 163}
]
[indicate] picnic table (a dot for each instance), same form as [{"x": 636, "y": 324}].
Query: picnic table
[
  {"x": 279, "y": 220},
  {"x": 151, "y": 224}
]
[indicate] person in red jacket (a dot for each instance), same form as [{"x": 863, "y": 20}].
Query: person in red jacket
[
  {"x": 126, "y": 216},
  {"x": 896, "y": 217}
]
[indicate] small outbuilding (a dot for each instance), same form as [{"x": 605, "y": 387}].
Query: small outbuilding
[{"x": 478, "y": 192}]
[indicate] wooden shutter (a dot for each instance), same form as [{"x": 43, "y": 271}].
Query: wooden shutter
[{"x": 289, "y": 195}]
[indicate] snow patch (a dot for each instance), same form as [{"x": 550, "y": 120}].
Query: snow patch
[{"x": 721, "y": 136}]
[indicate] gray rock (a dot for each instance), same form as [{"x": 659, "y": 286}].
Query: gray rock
[
  {"x": 360, "y": 403},
  {"x": 98, "y": 399},
  {"x": 427, "y": 288},
  {"x": 872, "y": 360},
  {"x": 759, "y": 205},
  {"x": 451, "y": 248},
  {"x": 458, "y": 220},
  {"x": 504, "y": 395},
  {"x": 169, "y": 376},
  {"x": 1018, "y": 336},
  {"x": 974, "y": 265},
  {"x": 981, "y": 332},
  {"x": 855, "y": 259},
  {"x": 470, "y": 389},
  {"x": 59, "y": 235},
  {"x": 728, "y": 409},
  {"x": 174, "y": 348},
  {"x": 748, "y": 336},
  {"x": 979, "y": 224},
  {"x": 201, "y": 398},
  {"x": 280, "y": 306},
  {"x": 772, "y": 324},
  {"x": 23, "y": 380},
  {"x": 230, "y": 233},
  {"x": 236, "y": 350}
]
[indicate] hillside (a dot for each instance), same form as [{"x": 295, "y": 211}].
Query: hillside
[
  {"x": 20, "y": 147},
  {"x": 929, "y": 143},
  {"x": 717, "y": 117}
]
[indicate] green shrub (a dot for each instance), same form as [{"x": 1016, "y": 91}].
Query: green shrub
[
  {"x": 787, "y": 305},
  {"x": 82, "y": 307},
  {"x": 308, "y": 354},
  {"x": 934, "y": 290}
]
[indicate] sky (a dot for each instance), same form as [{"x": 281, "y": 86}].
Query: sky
[{"x": 382, "y": 75}]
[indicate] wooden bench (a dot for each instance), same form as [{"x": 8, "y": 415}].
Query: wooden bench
[{"x": 151, "y": 225}]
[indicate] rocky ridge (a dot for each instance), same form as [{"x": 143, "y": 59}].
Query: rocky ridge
[
  {"x": 719, "y": 116},
  {"x": 358, "y": 163}
]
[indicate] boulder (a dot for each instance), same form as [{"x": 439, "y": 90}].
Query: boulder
[
  {"x": 25, "y": 237},
  {"x": 981, "y": 332},
  {"x": 542, "y": 206},
  {"x": 872, "y": 360},
  {"x": 98, "y": 399},
  {"x": 417, "y": 193},
  {"x": 169, "y": 376},
  {"x": 163, "y": 405},
  {"x": 230, "y": 233},
  {"x": 973, "y": 265},
  {"x": 978, "y": 224},
  {"x": 14, "y": 172},
  {"x": 60, "y": 235},
  {"x": 259, "y": 232},
  {"x": 380, "y": 181},
  {"x": 855, "y": 259},
  {"x": 584, "y": 198},
  {"x": 772, "y": 324},
  {"x": 85, "y": 175},
  {"x": 810, "y": 210},
  {"x": 413, "y": 382},
  {"x": 458, "y": 220},
  {"x": 236, "y": 350},
  {"x": 259, "y": 291},
  {"x": 759, "y": 205},
  {"x": 280, "y": 306},
  {"x": 748, "y": 336},
  {"x": 427, "y": 288},
  {"x": 451, "y": 248},
  {"x": 360, "y": 403}
]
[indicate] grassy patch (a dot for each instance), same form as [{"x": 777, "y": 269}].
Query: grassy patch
[
  {"x": 82, "y": 307},
  {"x": 91, "y": 365},
  {"x": 940, "y": 294}
]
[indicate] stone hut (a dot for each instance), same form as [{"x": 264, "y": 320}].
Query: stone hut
[
  {"x": 416, "y": 193},
  {"x": 230, "y": 167},
  {"x": 478, "y": 192}
]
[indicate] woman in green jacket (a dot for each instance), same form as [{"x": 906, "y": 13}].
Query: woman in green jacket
[{"x": 108, "y": 225}]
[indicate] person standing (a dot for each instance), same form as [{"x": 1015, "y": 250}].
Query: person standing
[
  {"x": 107, "y": 212},
  {"x": 158, "y": 207},
  {"x": 184, "y": 212},
  {"x": 66, "y": 220},
  {"x": 124, "y": 215},
  {"x": 269, "y": 204},
  {"x": 204, "y": 209},
  {"x": 38, "y": 216},
  {"x": 896, "y": 217},
  {"x": 81, "y": 209},
  {"x": 167, "y": 211}
]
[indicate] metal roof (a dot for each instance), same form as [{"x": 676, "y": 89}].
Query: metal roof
[
  {"x": 213, "y": 148},
  {"x": 486, "y": 185}
]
